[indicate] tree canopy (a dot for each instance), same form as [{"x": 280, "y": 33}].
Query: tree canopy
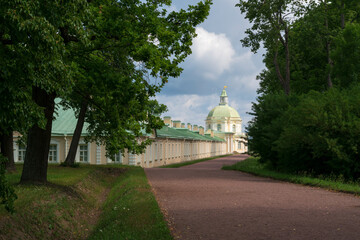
[
  {"x": 112, "y": 55},
  {"x": 313, "y": 129}
]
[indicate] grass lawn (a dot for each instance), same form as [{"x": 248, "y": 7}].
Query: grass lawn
[
  {"x": 89, "y": 202},
  {"x": 251, "y": 165},
  {"x": 181, "y": 164}
]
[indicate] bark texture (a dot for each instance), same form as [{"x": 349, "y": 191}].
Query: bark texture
[
  {"x": 70, "y": 159},
  {"x": 38, "y": 142}
]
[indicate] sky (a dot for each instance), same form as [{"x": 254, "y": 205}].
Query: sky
[{"x": 218, "y": 59}]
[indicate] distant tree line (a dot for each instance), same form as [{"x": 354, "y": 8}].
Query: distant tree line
[
  {"x": 307, "y": 118},
  {"x": 106, "y": 59}
]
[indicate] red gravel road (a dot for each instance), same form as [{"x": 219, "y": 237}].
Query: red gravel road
[{"x": 201, "y": 201}]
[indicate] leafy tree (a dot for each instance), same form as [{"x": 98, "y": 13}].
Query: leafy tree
[
  {"x": 346, "y": 56},
  {"x": 271, "y": 26},
  {"x": 49, "y": 39},
  {"x": 116, "y": 77},
  {"x": 267, "y": 125}
]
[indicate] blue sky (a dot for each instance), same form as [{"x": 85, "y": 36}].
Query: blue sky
[{"x": 218, "y": 60}]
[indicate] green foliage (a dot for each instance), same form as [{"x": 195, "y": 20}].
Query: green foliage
[
  {"x": 346, "y": 56},
  {"x": 103, "y": 52},
  {"x": 254, "y": 166},
  {"x": 316, "y": 132},
  {"x": 267, "y": 124},
  {"x": 314, "y": 129},
  {"x": 135, "y": 47},
  {"x": 320, "y": 134},
  {"x": 7, "y": 193}
]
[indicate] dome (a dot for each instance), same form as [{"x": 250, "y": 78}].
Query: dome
[{"x": 222, "y": 111}]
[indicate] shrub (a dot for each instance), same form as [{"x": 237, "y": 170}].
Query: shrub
[
  {"x": 267, "y": 125},
  {"x": 315, "y": 133},
  {"x": 321, "y": 134}
]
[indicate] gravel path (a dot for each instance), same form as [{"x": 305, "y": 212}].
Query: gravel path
[{"x": 201, "y": 201}]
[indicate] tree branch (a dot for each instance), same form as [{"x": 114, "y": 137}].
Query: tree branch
[{"x": 65, "y": 35}]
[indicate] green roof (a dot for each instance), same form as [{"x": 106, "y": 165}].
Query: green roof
[
  {"x": 223, "y": 111},
  {"x": 65, "y": 122},
  {"x": 223, "y": 94},
  {"x": 183, "y": 133}
]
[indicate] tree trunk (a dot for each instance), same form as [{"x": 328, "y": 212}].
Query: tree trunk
[
  {"x": 38, "y": 142},
  {"x": 342, "y": 14},
  {"x": 284, "y": 83},
  {"x": 7, "y": 150},
  {"x": 328, "y": 50},
  {"x": 70, "y": 159},
  {"x": 287, "y": 53},
  {"x": 329, "y": 81}
]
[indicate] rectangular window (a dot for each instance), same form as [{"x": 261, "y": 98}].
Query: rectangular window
[
  {"x": 161, "y": 151},
  {"x": 83, "y": 153},
  {"x": 168, "y": 153},
  {"x": 239, "y": 145},
  {"x": 172, "y": 151},
  {"x": 21, "y": 155},
  {"x": 52, "y": 153},
  {"x": 156, "y": 151},
  {"x": 117, "y": 158}
]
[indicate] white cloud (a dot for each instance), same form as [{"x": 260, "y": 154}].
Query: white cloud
[
  {"x": 188, "y": 108},
  {"x": 213, "y": 53}
]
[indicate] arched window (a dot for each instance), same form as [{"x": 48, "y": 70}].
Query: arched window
[
  {"x": 234, "y": 128},
  {"x": 219, "y": 127}
]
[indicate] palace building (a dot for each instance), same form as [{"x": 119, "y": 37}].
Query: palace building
[
  {"x": 173, "y": 143},
  {"x": 226, "y": 123}
]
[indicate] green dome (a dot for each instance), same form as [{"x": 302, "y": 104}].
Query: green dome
[{"x": 222, "y": 111}]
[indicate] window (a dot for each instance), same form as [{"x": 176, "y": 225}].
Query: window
[
  {"x": 219, "y": 127},
  {"x": 234, "y": 128},
  {"x": 239, "y": 145},
  {"x": 52, "y": 153},
  {"x": 83, "y": 153},
  {"x": 156, "y": 151},
  {"x": 21, "y": 155},
  {"x": 160, "y": 151},
  {"x": 118, "y": 158},
  {"x": 172, "y": 151},
  {"x": 209, "y": 126}
]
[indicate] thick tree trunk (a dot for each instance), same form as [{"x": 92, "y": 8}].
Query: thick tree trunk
[
  {"x": 70, "y": 159},
  {"x": 38, "y": 142},
  {"x": 7, "y": 150}
]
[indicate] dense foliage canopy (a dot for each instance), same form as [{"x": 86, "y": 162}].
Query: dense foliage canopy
[
  {"x": 314, "y": 127},
  {"x": 108, "y": 58}
]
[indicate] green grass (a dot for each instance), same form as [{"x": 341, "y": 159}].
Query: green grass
[
  {"x": 131, "y": 211},
  {"x": 181, "y": 164},
  {"x": 79, "y": 202},
  {"x": 252, "y": 165}
]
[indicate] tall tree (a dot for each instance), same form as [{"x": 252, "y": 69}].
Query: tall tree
[
  {"x": 271, "y": 21},
  {"x": 50, "y": 39},
  {"x": 121, "y": 106}
]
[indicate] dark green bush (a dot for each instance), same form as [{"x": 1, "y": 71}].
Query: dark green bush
[
  {"x": 267, "y": 125},
  {"x": 321, "y": 134},
  {"x": 317, "y": 132}
]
